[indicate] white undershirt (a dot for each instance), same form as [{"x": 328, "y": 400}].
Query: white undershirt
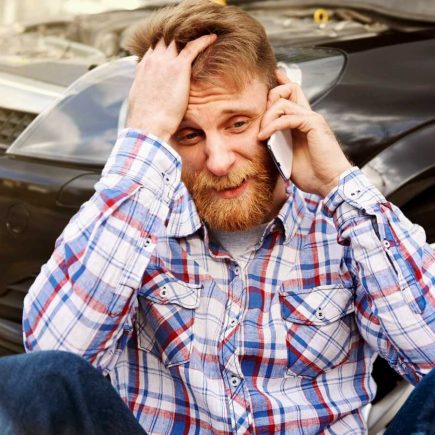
[{"x": 240, "y": 244}]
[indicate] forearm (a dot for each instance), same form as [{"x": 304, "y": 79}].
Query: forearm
[
  {"x": 84, "y": 298},
  {"x": 394, "y": 270}
]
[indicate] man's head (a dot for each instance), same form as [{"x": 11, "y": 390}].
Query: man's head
[
  {"x": 227, "y": 170},
  {"x": 241, "y": 51}
]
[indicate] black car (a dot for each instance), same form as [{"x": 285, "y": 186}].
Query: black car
[{"x": 371, "y": 75}]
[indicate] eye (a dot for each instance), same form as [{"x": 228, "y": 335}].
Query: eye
[
  {"x": 238, "y": 125},
  {"x": 188, "y": 136}
]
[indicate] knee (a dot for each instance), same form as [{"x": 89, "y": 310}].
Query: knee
[
  {"x": 59, "y": 365},
  {"x": 35, "y": 367},
  {"x": 53, "y": 386},
  {"x": 58, "y": 360}
]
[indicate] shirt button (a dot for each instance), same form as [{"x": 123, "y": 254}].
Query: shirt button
[
  {"x": 386, "y": 244},
  {"x": 235, "y": 381},
  {"x": 356, "y": 192},
  {"x": 164, "y": 292},
  {"x": 233, "y": 322},
  {"x": 237, "y": 270},
  {"x": 147, "y": 241},
  {"x": 320, "y": 314},
  {"x": 166, "y": 178}
]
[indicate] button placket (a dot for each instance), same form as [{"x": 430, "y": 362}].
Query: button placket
[{"x": 167, "y": 180}]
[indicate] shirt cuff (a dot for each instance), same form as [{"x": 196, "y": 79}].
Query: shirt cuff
[
  {"x": 353, "y": 196},
  {"x": 145, "y": 159}
]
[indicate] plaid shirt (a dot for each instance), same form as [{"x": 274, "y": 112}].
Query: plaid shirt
[{"x": 196, "y": 344}]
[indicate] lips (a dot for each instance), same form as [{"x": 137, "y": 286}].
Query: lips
[{"x": 233, "y": 192}]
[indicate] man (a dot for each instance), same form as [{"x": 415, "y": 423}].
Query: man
[{"x": 232, "y": 301}]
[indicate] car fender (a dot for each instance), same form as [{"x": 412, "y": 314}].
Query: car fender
[{"x": 405, "y": 160}]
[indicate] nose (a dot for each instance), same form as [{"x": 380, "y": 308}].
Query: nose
[{"x": 220, "y": 156}]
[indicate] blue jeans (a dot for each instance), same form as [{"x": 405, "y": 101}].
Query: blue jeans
[
  {"x": 58, "y": 393},
  {"x": 417, "y": 415}
]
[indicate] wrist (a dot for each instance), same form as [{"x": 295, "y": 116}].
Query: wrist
[
  {"x": 148, "y": 128},
  {"x": 327, "y": 187},
  {"x": 158, "y": 125}
]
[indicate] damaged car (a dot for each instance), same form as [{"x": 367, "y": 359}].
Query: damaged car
[{"x": 367, "y": 68}]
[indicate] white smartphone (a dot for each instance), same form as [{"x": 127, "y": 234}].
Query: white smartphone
[
  {"x": 280, "y": 146},
  {"x": 280, "y": 143}
]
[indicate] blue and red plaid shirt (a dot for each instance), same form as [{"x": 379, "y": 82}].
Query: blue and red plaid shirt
[{"x": 196, "y": 344}]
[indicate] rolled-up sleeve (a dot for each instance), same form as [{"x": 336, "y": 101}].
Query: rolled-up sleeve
[
  {"x": 83, "y": 299},
  {"x": 394, "y": 272}
]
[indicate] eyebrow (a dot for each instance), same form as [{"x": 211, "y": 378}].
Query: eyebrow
[
  {"x": 241, "y": 110},
  {"x": 231, "y": 111}
]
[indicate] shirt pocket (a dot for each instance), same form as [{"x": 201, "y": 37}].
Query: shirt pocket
[
  {"x": 319, "y": 327},
  {"x": 165, "y": 319}
]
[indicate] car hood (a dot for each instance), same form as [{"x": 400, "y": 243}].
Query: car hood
[
  {"x": 419, "y": 10},
  {"x": 59, "y": 52}
]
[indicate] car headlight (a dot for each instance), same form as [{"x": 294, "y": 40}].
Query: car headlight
[{"x": 82, "y": 127}]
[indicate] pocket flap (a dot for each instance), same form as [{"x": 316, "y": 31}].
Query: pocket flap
[
  {"x": 168, "y": 290},
  {"x": 317, "y": 306}
]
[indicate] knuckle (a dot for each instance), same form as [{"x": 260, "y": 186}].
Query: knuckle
[
  {"x": 274, "y": 93},
  {"x": 283, "y": 101},
  {"x": 319, "y": 118},
  {"x": 289, "y": 87}
]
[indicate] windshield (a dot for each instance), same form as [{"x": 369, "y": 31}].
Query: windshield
[{"x": 83, "y": 126}]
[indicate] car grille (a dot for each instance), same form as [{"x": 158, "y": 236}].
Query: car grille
[
  {"x": 11, "y": 309},
  {"x": 12, "y": 123}
]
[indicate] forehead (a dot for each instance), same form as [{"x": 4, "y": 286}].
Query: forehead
[{"x": 223, "y": 99}]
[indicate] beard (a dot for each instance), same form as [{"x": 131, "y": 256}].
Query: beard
[{"x": 249, "y": 209}]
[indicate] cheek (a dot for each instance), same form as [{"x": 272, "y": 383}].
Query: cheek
[
  {"x": 248, "y": 145},
  {"x": 192, "y": 158}
]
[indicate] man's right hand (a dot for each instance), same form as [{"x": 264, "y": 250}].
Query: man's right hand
[{"x": 159, "y": 95}]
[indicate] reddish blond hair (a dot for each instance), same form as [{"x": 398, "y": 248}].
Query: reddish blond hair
[{"x": 241, "y": 52}]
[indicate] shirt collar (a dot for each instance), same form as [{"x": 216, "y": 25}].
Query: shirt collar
[
  {"x": 183, "y": 219},
  {"x": 292, "y": 212}
]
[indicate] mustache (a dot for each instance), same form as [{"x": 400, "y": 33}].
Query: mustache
[{"x": 206, "y": 181}]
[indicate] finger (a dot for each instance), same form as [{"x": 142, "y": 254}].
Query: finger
[
  {"x": 160, "y": 46},
  {"x": 276, "y": 93},
  {"x": 303, "y": 123},
  {"x": 147, "y": 54},
  {"x": 280, "y": 108},
  {"x": 172, "y": 48},
  {"x": 193, "y": 48},
  {"x": 290, "y": 91},
  {"x": 282, "y": 77}
]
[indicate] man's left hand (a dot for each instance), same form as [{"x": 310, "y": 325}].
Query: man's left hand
[{"x": 318, "y": 160}]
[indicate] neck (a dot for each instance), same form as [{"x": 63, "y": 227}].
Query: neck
[{"x": 279, "y": 196}]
